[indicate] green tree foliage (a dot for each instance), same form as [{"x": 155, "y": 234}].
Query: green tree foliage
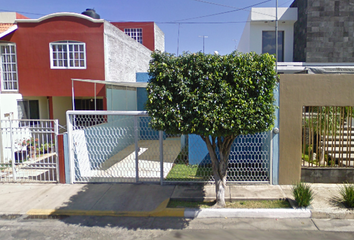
[{"x": 216, "y": 97}]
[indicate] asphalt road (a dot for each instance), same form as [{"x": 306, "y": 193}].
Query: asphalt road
[{"x": 13, "y": 227}]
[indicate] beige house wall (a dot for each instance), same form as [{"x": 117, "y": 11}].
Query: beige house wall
[
  {"x": 60, "y": 106},
  {"x": 43, "y": 106},
  {"x": 296, "y": 91}
]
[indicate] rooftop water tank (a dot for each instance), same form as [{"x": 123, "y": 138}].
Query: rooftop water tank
[{"x": 91, "y": 13}]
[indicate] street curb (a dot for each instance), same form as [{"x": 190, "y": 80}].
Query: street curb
[
  {"x": 163, "y": 211},
  {"x": 332, "y": 215},
  {"x": 181, "y": 212},
  {"x": 160, "y": 211},
  {"x": 247, "y": 213}
]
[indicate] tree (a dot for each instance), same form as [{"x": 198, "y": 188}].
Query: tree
[{"x": 216, "y": 97}]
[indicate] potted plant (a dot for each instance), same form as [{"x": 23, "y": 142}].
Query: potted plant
[
  {"x": 46, "y": 147},
  {"x": 32, "y": 147},
  {"x": 21, "y": 150}
]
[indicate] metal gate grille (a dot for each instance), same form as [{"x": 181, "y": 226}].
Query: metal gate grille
[
  {"x": 249, "y": 160},
  {"x": 327, "y": 134},
  {"x": 107, "y": 146},
  {"x": 28, "y": 150}
]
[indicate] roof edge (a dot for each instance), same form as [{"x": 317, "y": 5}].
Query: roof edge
[
  {"x": 122, "y": 84},
  {"x": 10, "y": 30},
  {"x": 60, "y": 14}
]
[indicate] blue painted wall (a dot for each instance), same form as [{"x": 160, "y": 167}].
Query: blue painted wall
[
  {"x": 146, "y": 133},
  {"x": 142, "y": 77},
  {"x": 121, "y": 99},
  {"x": 141, "y": 99},
  {"x": 244, "y": 149},
  {"x": 66, "y": 158},
  {"x": 275, "y": 144}
]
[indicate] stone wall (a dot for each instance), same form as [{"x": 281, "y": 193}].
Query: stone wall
[
  {"x": 324, "y": 31},
  {"x": 327, "y": 175},
  {"x": 300, "y": 31}
]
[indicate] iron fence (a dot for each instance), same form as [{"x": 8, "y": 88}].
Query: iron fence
[
  {"x": 28, "y": 150},
  {"x": 327, "y": 134},
  {"x": 116, "y": 146}
]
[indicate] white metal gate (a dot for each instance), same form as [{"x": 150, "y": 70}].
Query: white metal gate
[
  {"x": 28, "y": 150},
  {"x": 119, "y": 146}
]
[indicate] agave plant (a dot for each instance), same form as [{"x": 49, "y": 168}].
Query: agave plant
[
  {"x": 347, "y": 192},
  {"x": 303, "y": 194}
]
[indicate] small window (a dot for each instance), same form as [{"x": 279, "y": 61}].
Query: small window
[
  {"x": 67, "y": 54},
  {"x": 88, "y": 104},
  {"x": 8, "y": 68},
  {"x": 268, "y": 43},
  {"x": 135, "y": 33}
]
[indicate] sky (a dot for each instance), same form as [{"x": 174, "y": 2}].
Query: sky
[{"x": 184, "y": 22}]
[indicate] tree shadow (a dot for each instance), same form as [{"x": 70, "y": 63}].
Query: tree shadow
[
  {"x": 129, "y": 223},
  {"x": 119, "y": 205},
  {"x": 337, "y": 202}
]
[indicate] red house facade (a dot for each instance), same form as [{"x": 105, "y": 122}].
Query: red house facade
[{"x": 41, "y": 56}]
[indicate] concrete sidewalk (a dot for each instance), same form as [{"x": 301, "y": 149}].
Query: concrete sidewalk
[{"x": 143, "y": 200}]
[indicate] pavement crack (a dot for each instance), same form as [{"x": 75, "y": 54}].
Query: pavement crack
[
  {"x": 315, "y": 224},
  {"x": 101, "y": 197}
]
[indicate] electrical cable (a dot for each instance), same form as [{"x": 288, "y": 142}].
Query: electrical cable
[{"x": 220, "y": 13}]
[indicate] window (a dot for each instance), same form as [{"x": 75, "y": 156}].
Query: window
[
  {"x": 28, "y": 109},
  {"x": 8, "y": 70},
  {"x": 268, "y": 43},
  {"x": 67, "y": 54},
  {"x": 88, "y": 104},
  {"x": 135, "y": 33}
]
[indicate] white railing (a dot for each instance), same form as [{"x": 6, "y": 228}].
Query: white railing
[{"x": 28, "y": 150}]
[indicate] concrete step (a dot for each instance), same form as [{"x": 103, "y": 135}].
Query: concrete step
[
  {"x": 339, "y": 149},
  {"x": 339, "y": 154},
  {"x": 338, "y": 143},
  {"x": 340, "y": 137},
  {"x": 344, "y": 156},
  {"x": 345, "y": 132},
  {"x": 350, "y": 127}
]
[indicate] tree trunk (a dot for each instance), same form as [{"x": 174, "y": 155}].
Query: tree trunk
[
  {"x": 219, "y": 165},
  {"x": 220, "y": 185}
]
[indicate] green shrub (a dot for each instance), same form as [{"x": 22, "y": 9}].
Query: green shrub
[
  {"x": 347, "y": 192},
  {"x": 303, "y": 194}
]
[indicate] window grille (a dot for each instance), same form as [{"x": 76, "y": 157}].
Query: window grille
[
  {"x": 135, "y": 33},
  {"x": 9, "y": 79},
  {"x": 68, "y": 54}
]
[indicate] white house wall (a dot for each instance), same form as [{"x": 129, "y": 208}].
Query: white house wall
[
  {"x": 268, "y": 14},
  {"x": 8, "y": 104},
  {"x": 7, "y": 17},
  {"x": 262, "y": 19},
  {"x": 244, "y": 43},
  {"x": 124, "y": 56},
  {"x": 159, "y": 37},
  {"x": 256, "y": 38}
]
